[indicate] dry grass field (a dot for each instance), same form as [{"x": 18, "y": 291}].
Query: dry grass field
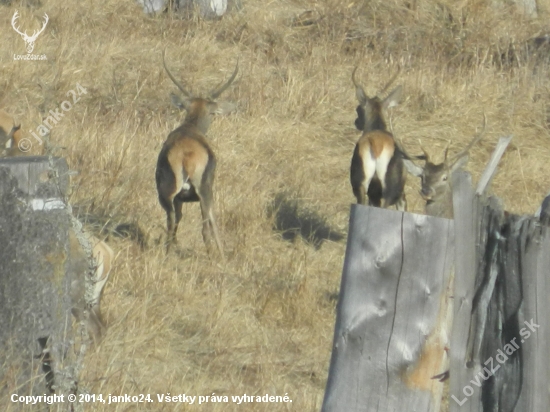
[{"x": 262, "y": 322}]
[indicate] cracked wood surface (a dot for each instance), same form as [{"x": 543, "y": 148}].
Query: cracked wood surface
[{"x": 394, "y": 309}]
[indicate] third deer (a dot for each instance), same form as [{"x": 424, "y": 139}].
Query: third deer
[{"x": 436, "y": 184}]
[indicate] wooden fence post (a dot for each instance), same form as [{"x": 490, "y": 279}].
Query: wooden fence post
[
  {"x": 462, "y": 396},
  {"x": 534, "y": 317},
  {"x": 393, "y": 311},
  {"x": 35, "y": 308}
]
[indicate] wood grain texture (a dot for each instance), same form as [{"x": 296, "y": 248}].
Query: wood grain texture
[{"x": 390, "y": 334}]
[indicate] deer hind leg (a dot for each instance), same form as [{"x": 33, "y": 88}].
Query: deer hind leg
[
  {"x": 401, "y": 204},
  {"x": 170, "y": 226},
  {"x": 178, "y": 205},
  {"x": 357, "y": 176},
  {"x": 370, "y": 184},
  {"x": 173, "y": 216},
  {"x": 382, "y": 164},
  {"x": 210, "y": 228}
]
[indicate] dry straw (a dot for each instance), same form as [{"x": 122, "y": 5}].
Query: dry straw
[{"x": 262, "y": 322}]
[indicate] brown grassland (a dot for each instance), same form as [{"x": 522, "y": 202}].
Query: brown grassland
[{"x": 263, "y": 321}]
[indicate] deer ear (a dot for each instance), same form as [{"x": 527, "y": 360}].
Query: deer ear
[
  {"x": 393, "y": 98},
  {"x": 361, "y": 95},
  {"x": 179, "y": 102},
  {"x": 224, "y": 108},
  {"x": 413, "y": 168},
  {"x": 460, "y": 163}
]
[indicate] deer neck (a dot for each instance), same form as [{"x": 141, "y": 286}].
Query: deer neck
[
  {"x": 441, "y": 205},
  {"x": 197, "y": 121},
  {"x": 377, "y": 123}
]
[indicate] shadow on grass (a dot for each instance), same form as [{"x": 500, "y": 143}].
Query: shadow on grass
[
  {"x": 102, "y": 222},
  {"x": 292, "y": 219}
]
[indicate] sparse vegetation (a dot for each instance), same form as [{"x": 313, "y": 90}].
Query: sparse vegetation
[{"x": 263, "y": 321}]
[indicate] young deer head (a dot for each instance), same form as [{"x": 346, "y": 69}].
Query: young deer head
[
  {"x": 186, "y": 163},
  {"x": 436, "y": 179},
  {"x": 377, "y": 168},
  {"x": 10, "y": 135}
]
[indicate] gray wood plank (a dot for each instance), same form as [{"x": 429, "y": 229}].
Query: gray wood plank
[
  {"x": 543, "y": 212},
  {"x": 535, "y": 341},
  {"x": 34, "y": 300},
  {"x": 393, "y": 313},
  {"x": 465, "y": 216},
  {"x": 490, "y": 169}
]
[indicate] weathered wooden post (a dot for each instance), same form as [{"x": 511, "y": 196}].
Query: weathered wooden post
[
  {"x": 35, "y": 307},
  {"x": 395, "y": 308},
  {"x": 393, "y": 313},
  {"x": 500, "y": 333},
  {"x": 466, "y": 232},
  {"x": 543, "y": 213}
]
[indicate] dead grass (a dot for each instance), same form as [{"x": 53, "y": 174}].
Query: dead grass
[{"x": 263, "y": 322}]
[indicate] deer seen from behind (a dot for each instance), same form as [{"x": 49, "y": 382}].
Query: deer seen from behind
[
  {"x": 186, "y": 164},
  {"x": 377, "y": 168},
  {"x": 436, "y": 178}
]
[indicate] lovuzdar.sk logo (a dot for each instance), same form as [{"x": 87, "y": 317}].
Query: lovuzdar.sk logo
[{"x": 29, "y": 40}]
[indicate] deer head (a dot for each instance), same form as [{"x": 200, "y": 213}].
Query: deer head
[
  {"x": 369, "y": 111},
  {"x": 436, "y": 184},
  {"x": 29, "y": 40},
  {"x": 201, "y": 109}
]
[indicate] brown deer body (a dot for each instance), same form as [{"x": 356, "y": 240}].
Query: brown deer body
[
  {"x": 186, "y": 164},
  {"x": 377, "y": 168},
  {"x": 436, "y": 179},
  {"x": 10, "y": 135},
  {"x": 103, "y": 257}
]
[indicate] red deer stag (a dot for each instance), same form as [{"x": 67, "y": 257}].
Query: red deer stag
[
  {"x": 377, "y": 168},
  {"x": 186, "y": 163},
  {"x": 436, "y": 178},
  {"x": 10, "y": 135}
]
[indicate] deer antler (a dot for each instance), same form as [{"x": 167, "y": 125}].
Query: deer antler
[
  {"x": 178, "y": 84},
  {"x": 359, "y": 91},
  {"x": 446, "y": 151},
  {"x": 391, "y": 81},
  {"x": 473, "y": 142},
  {"x": 426, "y": 155},
  {"x": 219, "y": 90}
]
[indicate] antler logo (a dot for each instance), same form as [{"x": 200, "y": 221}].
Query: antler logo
[{"x": 29, "y": 40}]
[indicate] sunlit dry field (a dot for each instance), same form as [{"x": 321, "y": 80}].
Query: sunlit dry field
[{"x": 262, "y": 322}]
